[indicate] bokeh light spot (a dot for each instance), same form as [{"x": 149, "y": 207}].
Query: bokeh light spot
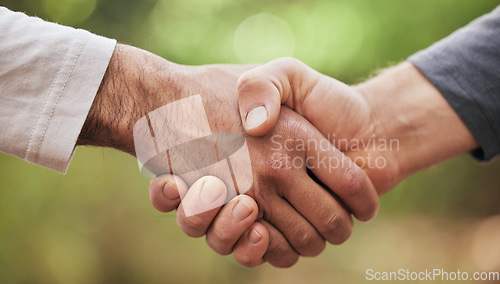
[
  {"x": 263, "y": 37},
  {"x": 486, "y": 245}
]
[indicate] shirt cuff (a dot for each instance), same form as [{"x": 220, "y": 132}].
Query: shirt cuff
[
  {"x": 464, "y": 68},
  {"x": 71, "y": 96}
]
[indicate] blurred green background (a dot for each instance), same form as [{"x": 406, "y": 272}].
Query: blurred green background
[{"x": 95, "y": 224}]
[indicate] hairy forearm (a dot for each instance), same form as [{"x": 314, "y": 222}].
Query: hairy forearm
[
  {"x": 410, "y": 109},
  {"x": 128, "y": 91},
  {"x": 138, "y": 82}
]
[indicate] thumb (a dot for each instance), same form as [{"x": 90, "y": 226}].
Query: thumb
[{"x": 262, "y": 90}]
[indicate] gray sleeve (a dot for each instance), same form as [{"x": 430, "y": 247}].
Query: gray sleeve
[{"x": 465, "y": 68}]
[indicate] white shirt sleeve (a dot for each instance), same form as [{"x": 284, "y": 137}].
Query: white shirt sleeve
[{"x": 49, "y": 76}]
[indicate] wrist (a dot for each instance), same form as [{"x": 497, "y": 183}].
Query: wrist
[{"x": 408, "y": 108}]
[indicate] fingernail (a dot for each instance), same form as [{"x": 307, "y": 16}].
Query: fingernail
[
  {"x": 254, "y": 237},
  {"x": 256, "y": 117},
  {"x": 170, "y": 191},
  {"x": 241, "y": 210},
  {"x": 210, "y": 192}
]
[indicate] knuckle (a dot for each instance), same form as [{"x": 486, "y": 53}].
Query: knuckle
[
  {"x": 276, "y": 250},
  {"x": 284, "y": 262},
  {"x": 250, "y": 81},
  {"x": 317, "y": 250},
  {"x": 290, "y": 127},
  {"x": 288, "y": 62},
  {"x": 164, "y": 208},
  {"x": 223, "y": 237},
  {"x": 306, "y": 244},
  {"x": 246, "y": 260},
  {"x": 220, "y": 243},
  {"x": 191, "y": 226},
  {"x": 161, "y": 204},
  {"x": 338, "y": 228}
]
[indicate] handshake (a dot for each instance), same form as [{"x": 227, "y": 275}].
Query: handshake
[{"x": 321, "y": 151}]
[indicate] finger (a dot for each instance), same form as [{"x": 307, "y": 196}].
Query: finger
[
  {"x": 301, "y": 235},
  {"x": 232, "y": 221},
  {"x": 321, "y": 209},
  {"x": 200, "y": 205},
  {"x": 251, "y": 247},
  {"x": 262, "y": 90},
  {"x": 279, "y": 253},
  {"x": 165, "y": 192},
  {"x": 340, "y": 174}
]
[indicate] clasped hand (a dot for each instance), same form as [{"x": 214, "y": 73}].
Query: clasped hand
[{"x": 292, "y": 207}]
